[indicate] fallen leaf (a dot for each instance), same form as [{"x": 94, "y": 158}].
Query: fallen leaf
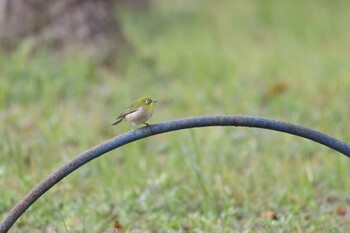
[
  {"x": 341, "y": 211},
  {"x": 117, "y": 226},
  {"x": 186, "y": 228},
  {"x": 276, "y": 88},
  {"x": 268, "y": 214}
]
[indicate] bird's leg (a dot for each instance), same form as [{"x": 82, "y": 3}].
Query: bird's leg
[{"x": 146, "y": 123}]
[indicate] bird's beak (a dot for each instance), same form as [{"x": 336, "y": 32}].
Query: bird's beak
[{"x": 154, "y": 101}]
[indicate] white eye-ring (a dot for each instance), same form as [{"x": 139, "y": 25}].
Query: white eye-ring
[{"x": 148, "y": 101}]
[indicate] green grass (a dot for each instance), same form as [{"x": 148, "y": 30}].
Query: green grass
[{"x": 286, "y": 60}]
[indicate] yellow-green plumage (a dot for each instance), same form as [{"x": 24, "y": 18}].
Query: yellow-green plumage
[{"x": 137, "y": 112}]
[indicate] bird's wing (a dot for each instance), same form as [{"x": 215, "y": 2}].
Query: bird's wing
[
  {"x": 126, "y": 112},
  {"x": 132, "y": 107},
  {"x": 122, "y": 116}
]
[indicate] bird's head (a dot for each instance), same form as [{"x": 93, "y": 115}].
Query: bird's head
[{"x": 147, "y": 103}]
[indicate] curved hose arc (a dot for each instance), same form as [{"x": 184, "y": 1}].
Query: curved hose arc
[{"x": 177, "y": 124}]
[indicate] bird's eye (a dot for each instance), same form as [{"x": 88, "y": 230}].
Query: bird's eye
[{"x": 148, "y": 101}]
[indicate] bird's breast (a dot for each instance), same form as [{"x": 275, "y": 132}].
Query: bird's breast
[{"x": 141, "y": 115}]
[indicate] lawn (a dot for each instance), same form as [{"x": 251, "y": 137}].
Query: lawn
[{"x": 286, "y": 60}]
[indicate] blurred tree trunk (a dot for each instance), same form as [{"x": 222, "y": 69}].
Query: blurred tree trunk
[{"x": 81, "y": 24}]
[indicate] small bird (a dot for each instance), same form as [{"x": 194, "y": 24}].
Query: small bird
[{"x": 137, "y": 112}]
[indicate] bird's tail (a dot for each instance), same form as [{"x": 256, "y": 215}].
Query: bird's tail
[{"x": 118, "y": 121}]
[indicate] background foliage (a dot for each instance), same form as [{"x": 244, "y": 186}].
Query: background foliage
[{"x": 285, "y": 60}]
